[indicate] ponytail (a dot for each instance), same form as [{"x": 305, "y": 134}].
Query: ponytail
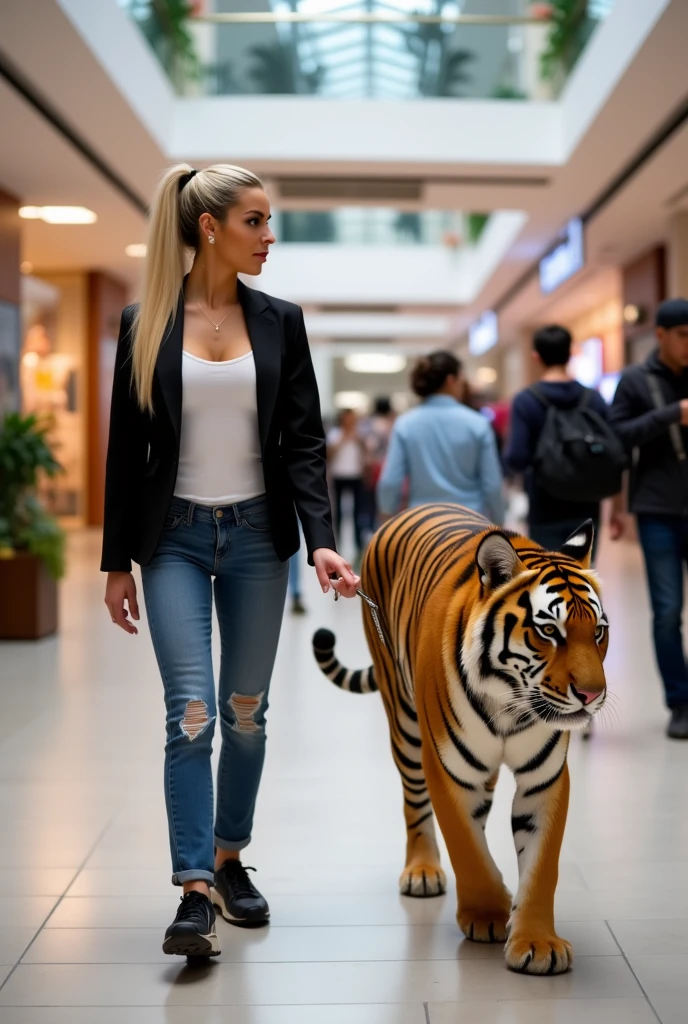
[
  {"x": 182, "y": 196},
  {"x": 162, "y": 281}
]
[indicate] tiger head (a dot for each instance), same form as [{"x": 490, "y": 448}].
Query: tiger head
[{"x": 537, "y": 636}]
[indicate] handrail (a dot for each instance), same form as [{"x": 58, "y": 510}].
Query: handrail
[{"x": 349, "y": 17}]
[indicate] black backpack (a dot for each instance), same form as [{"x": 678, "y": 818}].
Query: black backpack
[{"x": 578, "y": 456}]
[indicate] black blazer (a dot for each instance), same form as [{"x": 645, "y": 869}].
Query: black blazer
[{"x": 143, "y": 451}]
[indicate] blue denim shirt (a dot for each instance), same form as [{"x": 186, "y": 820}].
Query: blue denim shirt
[{"x": 447, "y": 453}]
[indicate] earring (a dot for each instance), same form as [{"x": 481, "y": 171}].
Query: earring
[{"x": 211, "y": 239}]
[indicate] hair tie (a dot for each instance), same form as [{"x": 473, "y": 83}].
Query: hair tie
[{"x": 185, "y": 179}]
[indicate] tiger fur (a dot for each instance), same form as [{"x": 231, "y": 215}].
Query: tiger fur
[{"x": 494, "y": 654}]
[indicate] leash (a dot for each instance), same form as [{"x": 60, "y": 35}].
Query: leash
[{"x": 375, "y": 612}]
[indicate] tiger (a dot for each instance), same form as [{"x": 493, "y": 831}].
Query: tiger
[{"x": 487, "y": 650}]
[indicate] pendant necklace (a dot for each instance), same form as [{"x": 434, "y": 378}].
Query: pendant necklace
[{"x": 216, "y": 326}]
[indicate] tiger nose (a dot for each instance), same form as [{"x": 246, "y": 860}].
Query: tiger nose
[{"x": 585, "y": 696}]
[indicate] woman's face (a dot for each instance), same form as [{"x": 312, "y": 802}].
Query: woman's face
[{"x": 243, "y": 239}]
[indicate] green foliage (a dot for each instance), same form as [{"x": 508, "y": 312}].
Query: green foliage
[
  {"x": 437, "y": 77},
  {"x": 476, "y": 225},
  {"x": 569, "y": 30},
  {"x": 164, "y": 23},
  {"x": 508, "y": 92},
  {"x": 24, "y": 523}
]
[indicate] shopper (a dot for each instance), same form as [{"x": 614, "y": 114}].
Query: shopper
[
  {"x": 345, "y": 458},
  {"x": 552, "y": 518},
  {"x": 650, "y": 412},
  {"x": 376, "y": 433},
  {"x": 441, "y": 451},
  {"x": 297, "y": 605},
  {"x": 215, "y": 434}
]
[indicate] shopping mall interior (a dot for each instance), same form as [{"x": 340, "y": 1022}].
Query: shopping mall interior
[{"x": 442, "y": 174}]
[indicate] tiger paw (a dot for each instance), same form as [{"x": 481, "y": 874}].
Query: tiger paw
[
  {"x": 538, "y": 953},
  {"x": 422, "y": 880},
  {"x": 484, "y": 925}
]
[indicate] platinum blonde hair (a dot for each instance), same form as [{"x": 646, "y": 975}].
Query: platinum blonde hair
[{"x": 173, "y": 231}]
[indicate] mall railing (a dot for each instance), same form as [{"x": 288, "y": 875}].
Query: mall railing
[
  {"x": 372, "y": 226},
  {"x": 369, "y": 49}
]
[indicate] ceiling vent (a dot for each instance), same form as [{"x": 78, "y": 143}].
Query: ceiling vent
[{"x": 352, "y": 189}]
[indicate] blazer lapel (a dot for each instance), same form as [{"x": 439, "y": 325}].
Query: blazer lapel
[
  {"x": 266, "y": 342},
  {"x": 169, "y": 369}
]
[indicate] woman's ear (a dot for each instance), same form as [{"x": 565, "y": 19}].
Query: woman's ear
[{"x": 497, "y": 560}]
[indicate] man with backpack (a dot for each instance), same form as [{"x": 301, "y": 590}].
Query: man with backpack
[
  {"x": 650, "y": 414},
  {"x": 561, "y": 440}
]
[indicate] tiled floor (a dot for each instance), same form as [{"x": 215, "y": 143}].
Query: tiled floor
[{"x": 84, "y": 886}]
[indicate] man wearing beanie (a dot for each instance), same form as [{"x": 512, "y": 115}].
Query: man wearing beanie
[{"x": 650, "y": 414}]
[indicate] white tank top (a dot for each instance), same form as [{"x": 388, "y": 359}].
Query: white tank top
[{"x": 219, "y": 456}]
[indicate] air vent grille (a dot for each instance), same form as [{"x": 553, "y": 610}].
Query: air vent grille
[{"x": 362, "y": 189}]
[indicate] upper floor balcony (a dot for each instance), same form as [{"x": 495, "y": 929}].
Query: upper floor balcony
[{"x": 369, "y": 49}]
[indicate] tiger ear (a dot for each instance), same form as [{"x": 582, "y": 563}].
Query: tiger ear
[
  {"x": 579, "y": 544},
  {"x": 497, "y": 560}
]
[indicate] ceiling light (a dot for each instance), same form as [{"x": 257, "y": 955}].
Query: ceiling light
[
  {"x": 357, "y": 400},
  {"x": 26, "y": 267},
  {"x": 59, "y": 214},
  {"x": 137, "y": 250},
  {"x": 631, "y": 314},
  {"x": 375, "y": 362}
]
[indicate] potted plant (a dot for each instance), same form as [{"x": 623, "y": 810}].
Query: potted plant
[{"x": 31, "y": 541}]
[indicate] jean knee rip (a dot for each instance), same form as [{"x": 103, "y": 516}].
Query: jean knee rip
[
  {"x": 195, "y": 719},
  {"x": 245, "y": 709}
]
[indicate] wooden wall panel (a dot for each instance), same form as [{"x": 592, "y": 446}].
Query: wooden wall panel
[
  {"x": 10, "y": 247},
  {"x": 106, "y": 299}
]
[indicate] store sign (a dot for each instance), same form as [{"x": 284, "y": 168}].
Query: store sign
[
  {"x": 483, "y": 334},
  {"x": 565, "y": 260}
]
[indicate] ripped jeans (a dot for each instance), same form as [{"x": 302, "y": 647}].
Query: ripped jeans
[{"x": 231, "y": 543}]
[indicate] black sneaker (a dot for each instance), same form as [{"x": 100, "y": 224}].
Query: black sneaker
[
  {"x": 192, "y": 933},
  {"x": 297, "y": 607},
  {"x": 678, "y": 723},
  {"x": 237, "y": 898}
]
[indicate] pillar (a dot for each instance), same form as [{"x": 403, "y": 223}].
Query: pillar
[{"x": 10, "y": 319}]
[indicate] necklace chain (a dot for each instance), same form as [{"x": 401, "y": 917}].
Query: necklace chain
[{"x": 216, "y": 326}]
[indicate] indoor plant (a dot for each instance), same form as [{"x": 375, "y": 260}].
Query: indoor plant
[{"x": 31, "y": 540}]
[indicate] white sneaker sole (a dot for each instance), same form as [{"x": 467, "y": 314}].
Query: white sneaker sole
[{"x": 192, "y": 945}]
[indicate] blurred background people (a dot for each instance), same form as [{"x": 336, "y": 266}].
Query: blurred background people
[
  {"x": 345, "y": 458},
  {"x": 551, "y": 519},
  {"x": 442, "y": 450},
  {"x": 650, "y": 413},
  {"x": 376, "y": 432}
]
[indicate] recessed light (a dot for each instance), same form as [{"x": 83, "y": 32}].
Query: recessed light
[
  {"x": 59, "y": 214},
  {"x": 375, "y": 362},
  {"x": 26, "y": 267},
  {"x": 137, "y": 250}
]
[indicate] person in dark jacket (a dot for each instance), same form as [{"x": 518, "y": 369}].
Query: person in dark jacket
[
  {"x": 650, "y": 414},
  {"x": 550, "y": 520}
]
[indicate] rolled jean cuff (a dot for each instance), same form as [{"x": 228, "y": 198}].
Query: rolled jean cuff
[
  {"x": 227, "y": 844},
  {"x": 179, "y": 877}
]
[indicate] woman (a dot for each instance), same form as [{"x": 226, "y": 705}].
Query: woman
[
  {"x": 441, "y": 450},
  {"x": 215, "y": 434},
  {"x": 345, "y": 460}
]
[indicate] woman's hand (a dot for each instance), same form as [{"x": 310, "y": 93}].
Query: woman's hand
[
  {"x": 328, "y": 562},
  {"x": 121, "y": 587}
]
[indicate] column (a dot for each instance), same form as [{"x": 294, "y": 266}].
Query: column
[
  {"x": 677, "y": 269},
  {"x": 10, "y": 320}
]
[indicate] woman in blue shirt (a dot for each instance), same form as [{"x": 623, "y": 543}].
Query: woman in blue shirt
[{"x": 442, "y": 450}]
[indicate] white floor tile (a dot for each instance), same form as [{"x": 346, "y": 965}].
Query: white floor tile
[
  {"x": 325, "y": 1014},
  {"x": 544, "y": 1011},
  {"x": 651, "y": 938},
  {"x": 25, "y": 911},
  {"x": 250, "y": 983},
  {"x": 35, "y": 881},
  {"x": 294, "y": 945},
  {"x": 665, "y": 980}
]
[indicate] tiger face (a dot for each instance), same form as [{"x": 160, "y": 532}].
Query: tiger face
[{"x": 538, "y": 634}]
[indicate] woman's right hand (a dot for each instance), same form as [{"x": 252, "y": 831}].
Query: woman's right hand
[{"x": 121, "y": 587}]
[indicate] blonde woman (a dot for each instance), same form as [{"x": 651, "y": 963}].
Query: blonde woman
[{"x": 216, "y": 443}]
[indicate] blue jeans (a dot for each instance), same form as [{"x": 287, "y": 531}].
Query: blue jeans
[
  {"x": 231, "y": 543},
  {"x": 665, "y": 545}
]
